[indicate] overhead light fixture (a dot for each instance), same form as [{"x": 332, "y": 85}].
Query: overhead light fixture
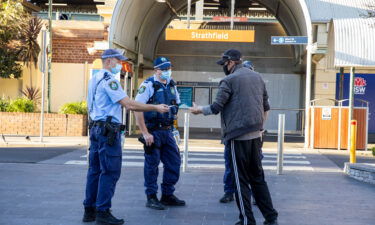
[
  {"x": 258, "y": 9},
  {"x": 161, "y": 1},
  {"x": 58, "y": 4},
  {"x": 210, "y": 7}
]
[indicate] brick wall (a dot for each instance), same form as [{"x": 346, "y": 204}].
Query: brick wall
[
  {"x": 71, "y": 39},
  {"x": 73, "y": 50},
  {"x": 54, "y": 124}
]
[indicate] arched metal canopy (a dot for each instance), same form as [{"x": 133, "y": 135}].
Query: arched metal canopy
[{"x": 137, "y": 25}]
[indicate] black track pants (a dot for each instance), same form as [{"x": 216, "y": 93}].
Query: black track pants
[{"x": 247, "y": 166}]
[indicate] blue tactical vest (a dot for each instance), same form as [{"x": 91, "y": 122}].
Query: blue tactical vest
[{"x": 163, "y": 94}]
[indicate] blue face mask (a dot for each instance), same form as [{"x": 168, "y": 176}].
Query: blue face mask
[
  {"x": 165, "y": 75},
  {"x": 116, "y": 69}
]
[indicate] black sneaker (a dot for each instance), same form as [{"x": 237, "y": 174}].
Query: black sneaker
[
  {"x": 106, "y": 218},
  {"x": 171, "y": 200},
  {"x": 228, "y": 197},
  {"x": 154, "y": 203},
  {"x": 89, "y": 215},
  {"x": 273, "y": 222}
]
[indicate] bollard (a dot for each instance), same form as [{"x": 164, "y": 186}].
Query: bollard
[
  {"x": 280, "y": 144},
  {"x": 353, "y": 140},
  {"x": 186, "y": 141}
]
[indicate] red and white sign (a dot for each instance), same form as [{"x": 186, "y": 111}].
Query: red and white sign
[{"x": 360, "y": 86}]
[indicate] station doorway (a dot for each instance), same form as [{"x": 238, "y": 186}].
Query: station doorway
[{"x": 139, "y": 28}]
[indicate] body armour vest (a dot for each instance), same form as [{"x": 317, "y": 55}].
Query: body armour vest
[{"x": 163, "y": 94}]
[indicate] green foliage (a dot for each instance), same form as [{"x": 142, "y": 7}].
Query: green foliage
[
  {"x": 74, "y": 108},
  {"x": 373, "y": 151},
  {"x": 21, "y": 105},
  {"x": 9, "y": 68},
  {"x": 4, "y": 104},
  {"x": 12, "y": 21}
]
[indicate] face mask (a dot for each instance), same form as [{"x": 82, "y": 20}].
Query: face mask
[
  {"x": 225, "y": 69},
  {"x": 116, "y": 69},
  {"x": 165, "y": 75}
]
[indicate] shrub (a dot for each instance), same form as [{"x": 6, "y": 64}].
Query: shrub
[
  {"x": 4, "y": 104},
  {"x": 74, "y": 108},
  {"x": 373, "y": 151},
  {"x": 21, "y": 105}
]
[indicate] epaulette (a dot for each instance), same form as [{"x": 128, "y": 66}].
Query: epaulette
[
  {"x": 106, "y": 76},
  {"x": 172, "y": 83}
]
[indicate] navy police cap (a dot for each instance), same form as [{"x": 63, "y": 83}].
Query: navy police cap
[
  {"x": 162, "y": 63},
  {"x": 113, "y": 53}
]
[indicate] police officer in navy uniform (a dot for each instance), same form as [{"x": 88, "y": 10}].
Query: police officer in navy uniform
[
  {"x": 156, "y": 129},
  {"x": 229, "y": 188},
  {"x": 105, "y": 98}
]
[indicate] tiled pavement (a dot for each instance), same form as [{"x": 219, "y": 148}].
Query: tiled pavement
[{"x": 51, "y": 193}]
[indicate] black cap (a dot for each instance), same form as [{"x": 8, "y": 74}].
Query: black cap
[{"x": 231, "y": 54}]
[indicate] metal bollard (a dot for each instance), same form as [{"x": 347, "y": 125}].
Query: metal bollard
[
  {"x": 186, "y": 143},
  {"x": 280, "y": 144},
  {"x": 353, "y": 141}
]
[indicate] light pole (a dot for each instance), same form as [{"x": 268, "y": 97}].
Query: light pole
[{"x": 49, "y": 53}]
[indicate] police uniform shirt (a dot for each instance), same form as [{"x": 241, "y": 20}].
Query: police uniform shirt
[
  {"x": 104, "y": 95},
  {"x": 146, "y": 91}
]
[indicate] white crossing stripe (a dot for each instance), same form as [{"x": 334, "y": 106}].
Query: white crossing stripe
[{"x": 293, "y": 161}]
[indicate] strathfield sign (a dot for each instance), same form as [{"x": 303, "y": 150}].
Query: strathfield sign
[{"x": 210, "y": 35}]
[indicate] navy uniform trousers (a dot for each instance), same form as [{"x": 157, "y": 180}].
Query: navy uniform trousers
[
  {"x": 104, "y": 169},
  {"x": 167, "y": 152}
]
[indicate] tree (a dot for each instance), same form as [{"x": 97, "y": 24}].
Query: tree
[
  {"x": 29, "y": 48},
  {"x": 12, "y": 19}
]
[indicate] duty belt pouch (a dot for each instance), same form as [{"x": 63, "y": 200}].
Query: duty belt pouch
[
  {"x": 109, "y": 131},
  {"x": 147, "y": 149}
]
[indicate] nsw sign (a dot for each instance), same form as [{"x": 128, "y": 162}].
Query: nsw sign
[{"x": 289, "y": 40}]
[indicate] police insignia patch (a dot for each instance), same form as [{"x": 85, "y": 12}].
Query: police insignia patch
[
  {"x": 141, "y": 89},
  {"x": 173, "y": 91},
  {"x": 113, "y": 85}
]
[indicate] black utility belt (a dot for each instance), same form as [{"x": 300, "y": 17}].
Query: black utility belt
[
  {"x": 116, "y": 126},
  {"x": 159, "y": 128}
]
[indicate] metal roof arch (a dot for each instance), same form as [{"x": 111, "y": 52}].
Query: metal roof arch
[{"x": 137, "y": 25}]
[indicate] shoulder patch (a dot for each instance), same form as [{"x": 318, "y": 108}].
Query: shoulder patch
[
  {"x": 141, "y": 89},
  {"x": 173, "y": 91},
  {"x": 113, "y": 85}
]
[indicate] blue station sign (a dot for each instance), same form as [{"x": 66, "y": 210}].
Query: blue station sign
[{"x": 289, "y": 40}]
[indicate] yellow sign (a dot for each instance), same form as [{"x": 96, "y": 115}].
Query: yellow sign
[{"x": 210, "y": 35}]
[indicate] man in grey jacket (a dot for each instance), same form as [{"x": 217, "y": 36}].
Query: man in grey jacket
[{"x": 242, "y": 100}]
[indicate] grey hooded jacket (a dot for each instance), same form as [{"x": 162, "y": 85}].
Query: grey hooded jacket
[{"x": 242, "y": 100}]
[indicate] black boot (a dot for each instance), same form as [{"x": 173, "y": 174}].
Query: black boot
[
  {"x": 106, "y": 218},
  {"x": 228, "y": 197},
  {"x": 154, "y": 203},
  {"x": 89, "y": 215},
  {"x": 273, "y": 222},
  {"x": 171, "y": 200}
]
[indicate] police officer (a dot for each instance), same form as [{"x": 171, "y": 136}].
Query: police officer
[
  {"x": 156, "y": 129},
  {"x": 228, "y": 173},
  {"x": 105, "y": 98}
]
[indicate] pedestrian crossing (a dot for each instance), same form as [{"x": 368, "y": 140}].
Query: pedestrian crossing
[{"x": 294, "y": 161}]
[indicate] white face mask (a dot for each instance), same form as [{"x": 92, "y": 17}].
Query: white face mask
[{"x": 165, "y": 75}]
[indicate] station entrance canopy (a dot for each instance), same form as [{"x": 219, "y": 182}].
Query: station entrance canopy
[{"x": 137, "y": 25}]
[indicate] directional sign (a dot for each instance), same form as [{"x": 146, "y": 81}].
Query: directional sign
[{"x": 289, "y": 40}]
